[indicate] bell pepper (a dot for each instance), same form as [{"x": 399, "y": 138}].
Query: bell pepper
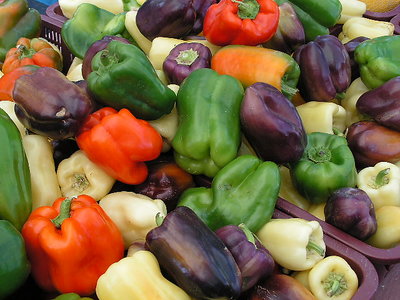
[
  {"x": 16, "y": 20},
  {"x": 382, "y": 184},
  {"x": 14, "y": 264},
  {"x": 7, "y": 82},
  {"x": 326, "y": 61},
  {"x": 246, "y": 177},
  {"x": 137, "y": 277},
  {"x": 44, "y": 182},
  {"x": 315, "y": 15},
  {"x": 326, "y": 165},
  {"x": 131, "y": 142},
  {"x": 89, "y": 24},
  {"x": 288, "y": 191},
  {"x": 15, "y": 187},
  {"x": 194, "y": 256},
  {"x": 359, "y": 26},
  {"x": 208, "y": 135},
  {"x": 255, "y": 64},
  {"x": 241, "y": 22},
  {"x": 134, "y": 214},
  {"x": 349, "y": 102},
  {"x": 350, "y": 48},
  {"x": 325, "y": 117},
  {"x": 317, "y": 210},
  {"x": 77, "y": 175},
  {"x": 131, "y": 26},
  {"x": 65, "y": 254},
  {"x": 36, "y": 51},
  {"x": 139, "y": 88},
  {"x": 8, "y": 107},
  {"x": 351, "y": 9},
  {"x": 71, "y": 296},
  {"x": 378, "y": 60},
  {"x": 74, "y": 72},
  {"x": 333, "y": 278},
  {"x": 295, "y": 243},
  {"x": 387, "y": 234}
]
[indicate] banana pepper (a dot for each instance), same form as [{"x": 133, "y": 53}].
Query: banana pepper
[
  {"x": 134, "y": 214},
  {"x": 351, "y": 9},
  {"x": 79, "y": 175},
  {"x": 137, "y": 277},
  {"x": 325, "y": 117},
  {"x": 387, "y": 234},
  {"x": 296, "y": 244},
  {"x": 333, "y": 278},
  {"x": 289, "y": 192},
  {"x": 39, "y": 152},
  {"x": 382, "y": 184},
  {"x": 353, "y": 93},
  {"x": 8, "y": 107},
  {"x": 359, "y": 26},
  {"x": 131, "y": 26}
]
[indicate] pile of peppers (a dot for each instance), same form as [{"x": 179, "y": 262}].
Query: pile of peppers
[{"x": 151, "y": 168}]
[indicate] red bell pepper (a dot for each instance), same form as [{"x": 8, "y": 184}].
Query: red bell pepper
[
  {"x": 71, "y": 244},
  {"x": 120, "y": 143},
  {"x": 241, "y": 22}
]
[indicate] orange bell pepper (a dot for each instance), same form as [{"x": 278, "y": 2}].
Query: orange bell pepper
[
  {"x": 71, "y": 244},
  {"x": 7, "y": 82},
  {"x": 251, "y": 64},
  {"x": 34, "y": 51},
  {"x": 120, "y": 143}
]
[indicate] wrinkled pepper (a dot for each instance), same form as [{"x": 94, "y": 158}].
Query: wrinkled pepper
[
  {"x": 7, "y": 82},
  {"x": 326, "y": 165},
  {"x": 14, "y": 264},
  {"x": 378, "y": 60},
  {"x": 64, "y": 253},
  {"x": 131, "y": 141},
  {"x": 255, "y": 64},
  {"x": 15, "y": 187},
  {"x": 208, "y": 135},
  {"x": 244, "y": 191},
  {"x": 16, "y": 20},
  {"x": 139, "y": 88}
]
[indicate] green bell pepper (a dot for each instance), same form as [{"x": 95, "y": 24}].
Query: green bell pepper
[
  {"x": 208, "y": 135},
  {"x": 123, "y": 77},
  {"x": 316, "y": 15},
  {"x": 89, "y": 24},
  {"x": 378, "y": 60},
  {"x": 71, "y": 296},
  {"x": 15, "y": 179},
  {"x": 244, "y": 191},
  {"x": 327, "y": 164},
  {"x": 14, "y": 264},
  {"x": 16, "y": 20}
]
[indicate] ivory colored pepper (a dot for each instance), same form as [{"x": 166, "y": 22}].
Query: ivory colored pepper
[
  {"x": 353, "y": 93},
  {"x": 387, "y": 234},
  {"x": 351, "y": 9},
  {"x": 289, "y": 192},
  {"x": 359, "y": 26},
  {"x": 8, "y": 107},
  {"x": 295, "y": 244}
]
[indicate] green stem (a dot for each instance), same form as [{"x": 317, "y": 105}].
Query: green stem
[
  {"x": 319, "y": 154},
  {"x": 247, "y": 9},
  {"x": 381, "y": 179},
  {"x": 248, "y": 233},
  {"x": 25, "y": 52},
  {"x": 287, "y": 90},
  {"x": 335, "y": 284},
  {"x": 334, "y": 288},
  {"x": 65, "y": 212},
  {"x": 311, "y": 246},
  {"x": 187, "y": 57}
]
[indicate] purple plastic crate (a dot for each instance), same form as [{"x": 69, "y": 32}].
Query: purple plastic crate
[{"x": 54, "y": 12}]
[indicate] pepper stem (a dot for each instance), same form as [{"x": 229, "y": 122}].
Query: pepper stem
[
  {"x": 187, "y": 57},
  {"x": 311, "y": 246},
  {"x": 65, "y": 212},
  {"x": 288, "y": 90},
  {"x": 25, "y": 52},
  {"x": 80, "y": 182},
  {"x": 335, "y": 284},
  {"x": 247, "y": 9},
  {"x": 319, "y": 154},
  {"x": 248, "y": 233},
  {"x": 159, "y": 219},
  {"x": 382, "y": 178}
]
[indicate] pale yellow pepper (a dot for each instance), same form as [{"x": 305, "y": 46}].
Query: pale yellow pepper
[
  {"x": 8, "y": 107},
  {"x": 333, "y": 278},
  {"x": 75, "y": 70},
  {"x": 302, "y": 277},
  {"x": 68, "y": 7},
  {"x": 134, "y": 214},
  {"x": 317, "y": 210},
  {"x": 351, "y": 9},
  {"x": 382, "y": 184},
  {"x": 359, "y": 26},
  {"x": 387, "y": 234},
  {"x": 79, "y": 175},
  {"x": 289, "y": 192},
  {"x": 295, "y": 244},
  {"x": 353, "y": 93},
  {"x": 137, "y": 277},
  {"x": 1, "y": 74},
  {"x": 131, "y": 25},
  {"x": 45, "y": 186},
  {"x": 325, "y": 117}
]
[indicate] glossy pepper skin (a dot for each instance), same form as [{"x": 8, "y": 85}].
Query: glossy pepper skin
[
  {"x": 58, "y": 108},
  {"x": 194, "y": 256},
  {"x": 326, "y": 61},
  {"x": 14, "y": 265},
  {"x": 15, "y": 187},
  {"x": 326, "y": 165},
  {"x": 7, "y": 82},
  {"x": 208, "y": 135},
  {"x": 16, "y": 20},
  {"x": 350, "y": 48},
  {"x": 138, "y": 87},
  {"x": 272, "y": 124},
  {"x": 131, "y": 141},
  {"x": 64, "y": 253},
  {"x": 247, "y": 22},
  {"x": 244, "y": 191},
  {"x": 315, "y": 15}
]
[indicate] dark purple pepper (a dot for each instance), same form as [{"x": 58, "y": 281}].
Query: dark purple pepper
[
  {"x": 350, "y": 46},
  {"x": 201, "y": 7},
  {"x": 382, "y": 16},
  {"x": 49, "y": 104},
  {"x": 351, "y": 210},
  {"x": 194, "y": 256},
  {"x": 185, "y": 58},
  {"x": 63, "y": 149},
  {"x": 97, "y": 47},
  {"x": 254, "y": 260},
  {"x": 167, "y": 18},
  {"x": 272, "y": 124},
  {"x": 383, "y": 104}
]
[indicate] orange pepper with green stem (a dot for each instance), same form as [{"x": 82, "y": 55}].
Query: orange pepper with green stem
[{"x": 251, "y": 64}]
